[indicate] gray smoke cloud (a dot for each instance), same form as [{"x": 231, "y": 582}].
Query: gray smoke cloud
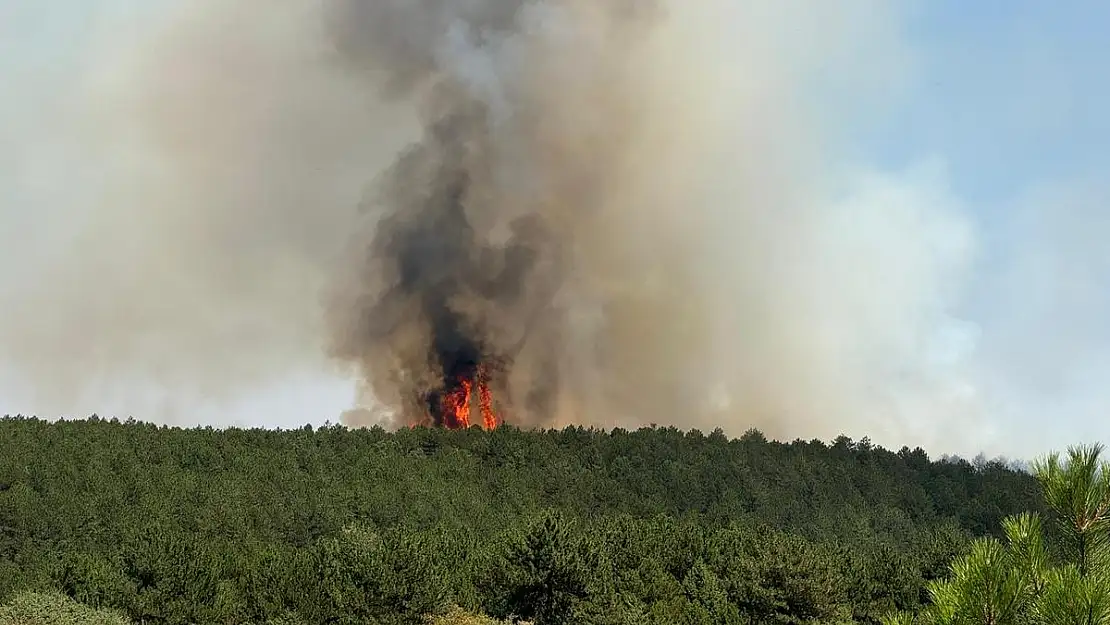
[
  {"x": 516, "y": 215},
  {"x": 582, "y": 214},
  {"x": 214, "y": 160},
  {"x": 629, "y": 208}
]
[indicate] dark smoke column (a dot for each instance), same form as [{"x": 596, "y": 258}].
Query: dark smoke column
[{"x": 454, "y": 300}]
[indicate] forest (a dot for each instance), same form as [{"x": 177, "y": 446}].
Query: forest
[{"x": 103, "y": 521}]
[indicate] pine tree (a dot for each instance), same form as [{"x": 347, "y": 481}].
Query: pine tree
[{"x": 1023, "y": 581}]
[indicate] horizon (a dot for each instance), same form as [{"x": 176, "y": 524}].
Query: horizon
[{"x": 979, "y": 460}]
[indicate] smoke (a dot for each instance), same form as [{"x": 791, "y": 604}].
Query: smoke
[
  {"x": 628, "y": 209},
  {"x": 214, "y": 157},
  {"x": 601, "y": 207},
  {"x": 519, "y": 211}
]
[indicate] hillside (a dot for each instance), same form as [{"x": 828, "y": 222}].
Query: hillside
[{"x": 334, "y": 525}]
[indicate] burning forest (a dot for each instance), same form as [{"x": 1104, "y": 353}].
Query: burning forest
[
  {"x": 451, "y": 407},
  {"x": 478, "y": 236}
]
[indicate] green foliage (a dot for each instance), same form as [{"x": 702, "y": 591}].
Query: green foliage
[
  {"x": 1078, "y": 491},
  {"x": 549, "y": 573},
  {"x": 367, "y": 578},
  {"x": 54, "y": 609},
  {"x": 458, "y": 616},
  {"x": 985, "y": 587},
  {"x": 1072, "y": 598},
  {"x": 1023, "y": 580},
  {"x": 338, "y": 526}
]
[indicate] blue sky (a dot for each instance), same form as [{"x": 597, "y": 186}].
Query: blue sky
[
  {"x": 1014, "y": 95},
  {"x": 1007, "y": 99},
  {"x": 1010, "y": 93}
]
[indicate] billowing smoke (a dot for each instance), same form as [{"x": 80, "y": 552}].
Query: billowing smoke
[
  {"x": 517, "y": 215},
  {"x": 567, "y": 224},
  {"x": 621, "y": 212}
]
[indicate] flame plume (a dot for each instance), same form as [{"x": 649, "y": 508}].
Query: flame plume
[
  {"x": 485, "y": 401},
  {"x": 456, "y": 405},
  {"x": 450, "y": 408}
]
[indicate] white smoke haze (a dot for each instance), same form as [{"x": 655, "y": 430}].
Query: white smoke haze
[
  {"x": 216, "y": 180},
  {"x": 224, "y": 174},
  {"x": 1044, "y": 349}
]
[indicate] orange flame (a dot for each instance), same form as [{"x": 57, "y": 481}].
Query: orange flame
[
  {"x": 485, "y": 401},
  {"x": 455, "y": 403}
]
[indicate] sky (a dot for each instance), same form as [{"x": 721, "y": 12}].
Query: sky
[{"x": 989, "y": 116}]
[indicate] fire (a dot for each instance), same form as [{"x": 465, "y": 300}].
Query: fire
[
  {"x": 455, "y": 402},
  {"x": 485, "y": 401},
  {"x": 456, "y": 405}
]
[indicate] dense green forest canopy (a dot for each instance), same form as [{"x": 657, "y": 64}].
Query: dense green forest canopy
[{"x": 330, "y": 525}]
